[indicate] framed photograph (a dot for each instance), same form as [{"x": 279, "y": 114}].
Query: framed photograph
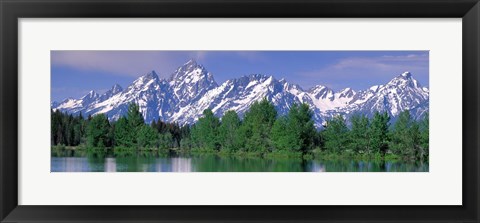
[{"x": 125, "y": 111}]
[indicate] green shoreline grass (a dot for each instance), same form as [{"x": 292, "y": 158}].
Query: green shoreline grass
[{"x": 316, "y": 154}]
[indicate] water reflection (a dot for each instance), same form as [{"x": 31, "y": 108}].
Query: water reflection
[{"x": 133, "y": 161}]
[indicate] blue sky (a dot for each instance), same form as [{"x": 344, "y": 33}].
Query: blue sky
[{"x": 74, "y": 73}]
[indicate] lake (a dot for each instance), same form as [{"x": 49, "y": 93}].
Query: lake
[{"x": 132, "y": 161}]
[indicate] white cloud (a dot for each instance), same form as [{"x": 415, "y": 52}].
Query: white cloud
[
  {"x": 123, "y": 63},
  {"x": 361, "y": 69},
  {"x": 136, "y": 63},
  {"x": 384, "y": 63}
]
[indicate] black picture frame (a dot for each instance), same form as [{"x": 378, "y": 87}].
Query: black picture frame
[{"x": 12, "y": 10}]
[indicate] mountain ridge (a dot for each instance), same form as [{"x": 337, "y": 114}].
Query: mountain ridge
[{"x": 190, "y": 89}]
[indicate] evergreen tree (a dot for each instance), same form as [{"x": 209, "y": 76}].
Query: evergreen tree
[
  {"x": 424, "y": 137},
  {"x": 296, "y": 131},
  {"x": 160, "y": 126},
  {"x": 69, "y": 134},
  {"x": 303, "y": 119},
  {"x": 135, "y": 122},
  {"x": 416, "y": 151},
  {"x": 134, "y": 117},
  {"x": 257, "y": 125},
  {"x": 260, "y": 131},
  {"x": 228, "y": 131},
  {"x": 122, "y": 135},
  {"x": 281, "y": 138},
  {"x": 147, "y": 137},
  {"x": 186, "y": 143},
  {"x": 165, "y": 140},
  {"x": 335, "y": 134},
  {"x": 205, "y": 131},
  {"x": 405, "y": 136},
  {"x": 55, "y": 124},
  {"x": 66, "y": 129},
  {"x": 378, "y": 132},
  {"x": 111, "y": 134},
  {"x": 359, "y": 139},
  {"x": 174, "y": 129},
  {"x": 318, "y": 141},
  {"x": 97, "y": 131},
  {"x": 77, "y": 134},
  {"x": 78, "y": 131}
]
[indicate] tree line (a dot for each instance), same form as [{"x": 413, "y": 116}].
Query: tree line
[
  {"x": 128, "y": 132},
  {"x": 261, "y": 131}
]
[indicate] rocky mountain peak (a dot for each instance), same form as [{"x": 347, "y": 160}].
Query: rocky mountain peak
[
  {"x": 116, "y": 88},
  {"x": 192, "y": 89}
]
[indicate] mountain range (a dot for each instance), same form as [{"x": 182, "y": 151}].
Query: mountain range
[{"x": 191, "y": 89}]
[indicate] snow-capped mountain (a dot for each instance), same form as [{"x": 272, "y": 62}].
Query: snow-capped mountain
[
  {"x": 114, "y": 90},
  {"x": 192, "y": 89},
  {"x": 400, "y": 94}
]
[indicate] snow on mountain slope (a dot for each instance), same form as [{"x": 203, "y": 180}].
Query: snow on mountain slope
[
  {"x": 400, "y": 94},
  {"x": 190, "y": 81},
  {"x": 236, "y": 94},
  {"x": 192, "y": 89},
  {"x": 326, "y": 99},
  {"x": 114, "y": 90}
]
